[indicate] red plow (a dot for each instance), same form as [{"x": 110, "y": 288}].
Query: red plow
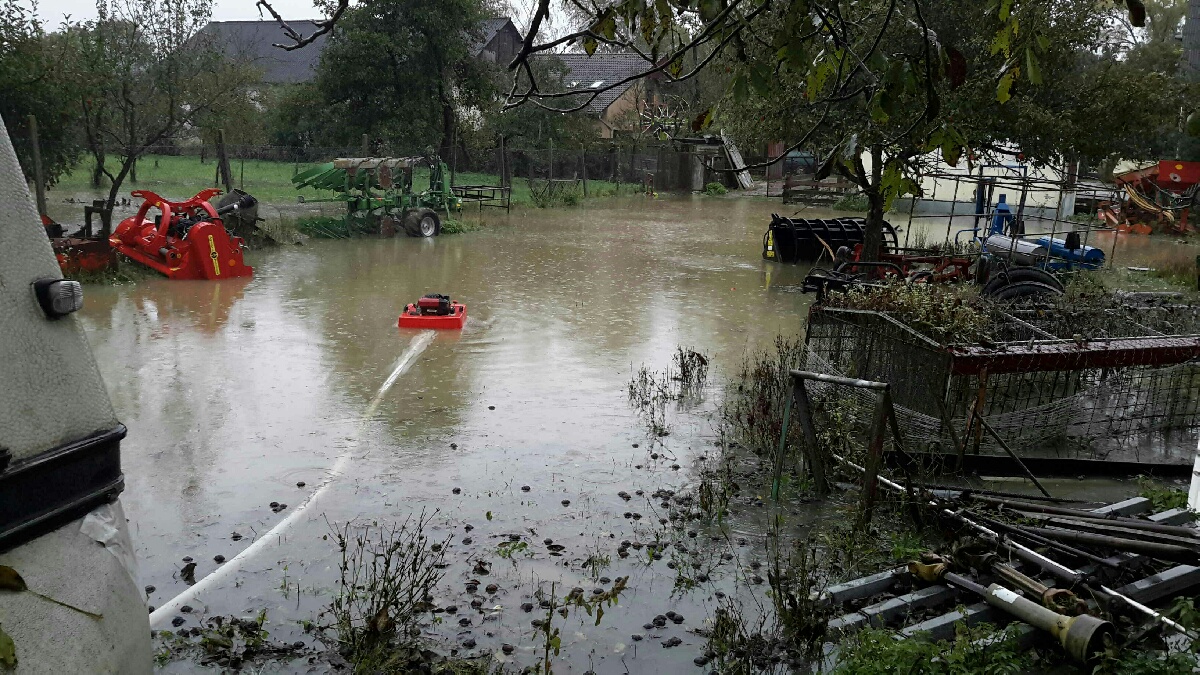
[{"x": 185, "y": 240}]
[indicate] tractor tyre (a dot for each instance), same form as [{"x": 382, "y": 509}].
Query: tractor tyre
[
  {"x": 1026, "y": 290},
  {"x": 422, "y": 223},
  {"x": 1003, "y": 278}
]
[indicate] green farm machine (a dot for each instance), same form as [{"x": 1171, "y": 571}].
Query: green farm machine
[{"x": 378, "y": 193}]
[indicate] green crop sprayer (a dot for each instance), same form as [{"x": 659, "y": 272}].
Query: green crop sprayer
[{"x": 378, "y": 193}]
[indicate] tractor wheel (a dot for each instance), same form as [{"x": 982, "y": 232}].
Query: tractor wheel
[
  {"x": 1026, "y": 290},
  {"x": 1003, "y": 278},
  {"x": 422, "y": 223}
]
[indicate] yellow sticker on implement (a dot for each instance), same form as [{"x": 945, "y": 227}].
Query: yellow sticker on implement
[{"x": 212, "y": 246}]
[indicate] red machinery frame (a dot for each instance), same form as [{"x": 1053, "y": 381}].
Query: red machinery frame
[{"x": 205, "y": 251}]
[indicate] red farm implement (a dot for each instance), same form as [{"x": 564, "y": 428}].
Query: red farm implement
[
  {"x": 185, "y": 240},
  {"x": 1157, "y": 198}
]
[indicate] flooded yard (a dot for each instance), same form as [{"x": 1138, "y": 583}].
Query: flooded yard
[
  {"x": 269, "y": 412},
  {"x": 238, "y": 395}
]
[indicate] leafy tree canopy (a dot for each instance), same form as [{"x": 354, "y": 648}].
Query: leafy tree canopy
[
  {"x": 401, "y": 70},
  {"x": 34, "y": 81}
]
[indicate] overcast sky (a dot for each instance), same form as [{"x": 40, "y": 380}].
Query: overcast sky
[{"x": 53, "y": 11}]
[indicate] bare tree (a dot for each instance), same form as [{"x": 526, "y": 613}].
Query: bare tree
[{"x": 146, "y": 77}]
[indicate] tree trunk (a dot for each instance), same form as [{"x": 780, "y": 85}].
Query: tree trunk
[
  {"x": 126, "y": 166},
  {"x": 98, "y": 168},
  {"x": 447, "y": 120},
  {"x": 873, "y": 237}
]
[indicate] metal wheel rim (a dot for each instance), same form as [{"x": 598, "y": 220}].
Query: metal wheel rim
[{"x": 428, "y": 227}]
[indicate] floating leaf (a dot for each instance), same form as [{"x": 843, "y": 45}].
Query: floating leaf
[
  {"x": 10, "y": 580},
  {"x": 489, "y": 515},
  {"x": 188, "y": 573},
  {"x": 8, "y": 651}
]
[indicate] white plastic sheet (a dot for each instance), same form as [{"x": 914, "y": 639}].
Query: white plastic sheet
[{"x": 106, "y": 525}]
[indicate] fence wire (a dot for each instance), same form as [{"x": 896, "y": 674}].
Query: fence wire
[{"x": 1035, "y": 409}]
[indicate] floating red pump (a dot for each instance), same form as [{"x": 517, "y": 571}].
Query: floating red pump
[
  {"x": 434, "y": 311},
  {"x": 186, "y": 240}
]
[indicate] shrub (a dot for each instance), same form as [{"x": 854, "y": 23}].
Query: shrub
[
  {"x": 714, "y": 189},
  {"x": 851, "y": 201}
]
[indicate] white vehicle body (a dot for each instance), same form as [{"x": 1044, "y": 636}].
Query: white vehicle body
[{"x": 61, "y": 525}]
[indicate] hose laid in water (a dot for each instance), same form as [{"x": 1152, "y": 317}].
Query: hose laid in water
[{"x": 162, "y": 616}]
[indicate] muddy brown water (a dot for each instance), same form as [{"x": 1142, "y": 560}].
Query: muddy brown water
[{"x": 234, "y": 392}]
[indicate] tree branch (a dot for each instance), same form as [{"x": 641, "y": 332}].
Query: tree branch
[{"x": 323, "y": 26}]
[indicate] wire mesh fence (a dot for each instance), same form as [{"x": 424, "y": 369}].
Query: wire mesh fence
[
  {"x": 1057, "y": 388},
  {"x": 650, "y": 165}
]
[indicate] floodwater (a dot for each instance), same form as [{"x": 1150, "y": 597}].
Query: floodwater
[{"x": 236, "y": 393}]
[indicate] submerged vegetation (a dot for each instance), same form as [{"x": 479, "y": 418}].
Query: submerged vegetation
[
  {"x": 385, "y": 591},
  {"x": 975, "y": 649},
  {"x": 854, "y": 201},
  {"x": 1161, "y": 497},
  {"x": 649, "y": 391},
  {"x": 126, "y": 272},
  {"x": 714, "y": 189}
]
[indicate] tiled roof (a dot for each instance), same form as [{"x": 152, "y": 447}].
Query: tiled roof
[
  {"x": 487, "y": 33},
  {"x": 591, "y": 72},
  {"x": 254, "y": 41}
]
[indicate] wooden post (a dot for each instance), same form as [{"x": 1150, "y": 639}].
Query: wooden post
[
  {"x": 777, "y": 473},
  {"x": 224, "y": 174},
  {"x": 583, "y": 169},
  {"x": 616, "y": 167},
  {"x": 816, "y": 462},
  {"x": 981, "y": 399},
  {"x": 948, "y": 424},
  {"x": 874, "y": 459},
  {"x": 502, "y": 163},
  {"x": 39, "y": 179},
  {"x": 550, "y": 175},
  {"x": 366, "y": 145}
]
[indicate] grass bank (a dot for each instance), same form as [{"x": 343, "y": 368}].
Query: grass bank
[{"x": 271, "y": 182}]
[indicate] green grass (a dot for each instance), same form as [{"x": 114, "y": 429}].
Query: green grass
[
  {"x": 177, "y": 178},
  {"x": 1179, "y": 268}
]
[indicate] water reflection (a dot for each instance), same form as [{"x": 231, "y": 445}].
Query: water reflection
[{"x": 234, "y": 394}]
